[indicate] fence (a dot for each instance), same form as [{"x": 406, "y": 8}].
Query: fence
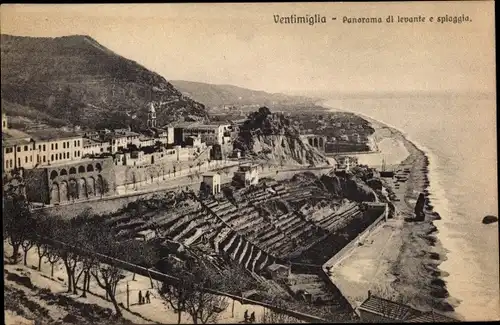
[{"x": 156, "y": 275}]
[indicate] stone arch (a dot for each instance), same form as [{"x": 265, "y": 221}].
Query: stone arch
[
  {"x": 98, "y": 167},
  {"x": 81, "y": 169},
  {"x": 90, "y": 186},
  {"x": 72, "y": 170},
  {"x": 63, "y": 191},
  {"x": 63, "y": 172},
  {"x": 82, "y": 188},
  {"x": 315, "y": 142},
  {"x": 90, "y": 168},
  {"x": 54, "y": 193},
  {"x": 310, "y": 141},
  {"x": 53, "y": 174},
  {"x": 321, "y": 142}
]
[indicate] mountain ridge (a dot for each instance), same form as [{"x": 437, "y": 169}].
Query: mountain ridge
[
  {"x": 77, "y": 79},
  {"x": 217, "y": 95}
]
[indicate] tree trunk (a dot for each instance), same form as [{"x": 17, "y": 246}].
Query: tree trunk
[
  {"x": 84, "y": 288},
  {"x": 70, "y": 280},
  {"x": 15, "y": 252},
  {"x": 25, "y": 257},
  {"x": 88, "y": 281},
  {"x": 39, "y": 261},
  {"x": 51, "y": 270},
  {"x": 75, "y": 282},
  {"x": 113, "y": 300},
  {"x": 133, "y": 277},
  {"x": 179, "y": 314}
]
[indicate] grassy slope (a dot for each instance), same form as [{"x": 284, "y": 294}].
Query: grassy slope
[{"x": 76, "y": 79}]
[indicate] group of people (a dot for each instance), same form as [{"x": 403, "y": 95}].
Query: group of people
[
  {"x": 250, "y": 319},
  {"x": 146, "y": 299}
]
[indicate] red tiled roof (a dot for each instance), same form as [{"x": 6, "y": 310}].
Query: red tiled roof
[
  {"x": 388, "y": 309},
  {"x": 432, "y": 317}
]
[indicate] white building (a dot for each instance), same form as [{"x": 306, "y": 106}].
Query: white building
[{"x": 213, "y": 180}]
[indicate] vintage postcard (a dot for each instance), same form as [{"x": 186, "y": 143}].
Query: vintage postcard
[{"x": 249, "y": 163}]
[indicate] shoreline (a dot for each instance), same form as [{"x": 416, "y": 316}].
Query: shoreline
[{"x": 410, "y": 270}]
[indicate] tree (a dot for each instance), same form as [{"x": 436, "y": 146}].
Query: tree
[
  {"x": 27, "y": 245},
  {"x": 107, "y": 276},
  {"x": 53, "y": 258},
  {"x": 201, "y": 305},
  {"x": 176, "y": 294},
  {"x": 18, "y": 220},
  {"x": 103, "y": 185}
]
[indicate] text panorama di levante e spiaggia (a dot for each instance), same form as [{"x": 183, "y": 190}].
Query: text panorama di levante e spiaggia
[{"x": 312, "y": 19}]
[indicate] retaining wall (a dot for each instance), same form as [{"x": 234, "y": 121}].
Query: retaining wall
[{"x": 347, "y": 248}]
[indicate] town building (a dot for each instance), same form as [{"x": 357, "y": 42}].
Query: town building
[
  {"x": 380, "y": 310},
  {"x": 213, "y": 181},
  {"x": 208, "y": 133},
  {"x": 345, "y": 163},
  {"x": 376, "y": 309},
  {"x": 54, "y": 146},
  {"x": 247, "y": 174},
  {"x": 70, "y": 181},
  {"x": 151, "y": 123},
  {"x": 278, "y": 271}
]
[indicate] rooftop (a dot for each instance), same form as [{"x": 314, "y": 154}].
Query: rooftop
[
  {"x": 53, "y": 134},
  {"x": 432, "y": 317},
  {"x": 210, "y": 174},
  {"x": 7, "y": 142},
  {"x": 388, "y": 308},
  {"x": 14, "y": 134}
]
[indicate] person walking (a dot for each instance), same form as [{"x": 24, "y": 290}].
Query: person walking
[
  {"x": 140, "y": 297},
  {"x": 246, "y": 316},
  {"x": 148, "y": 299}
]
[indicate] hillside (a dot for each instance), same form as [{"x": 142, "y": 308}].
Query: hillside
[
  {"x": 274, "y": 137},
  {"x": 220, "y": 95},
  {"x": 76, "y": 79}
]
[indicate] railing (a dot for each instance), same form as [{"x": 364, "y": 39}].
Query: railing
[{"x": 156, "y": 275}]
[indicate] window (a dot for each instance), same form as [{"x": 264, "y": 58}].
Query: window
[
  {"x": 25, "y": 148},
  {"x": 11, "y": 163},
  {"x": 56, "y": 146},
  {"x": 64, "y": 145},
  {"x": 52, "y": 157},
  {"x": 8, "y": 150},
  {"x": 43, "y": 147},
  {"x": 43, "y": 158},
  {"x": 74, "y": 142},
  {"x": 31, "y": 158},
  {"x": 60, "y": 155},
  {"x": 67, "y": 154},
  {"x": 67, "y": 144},
  {"x": 19, "y": 162},
  {"x": 51, "y": 146},
  {"x": 37, "y": 159},
  {"x": 39, "y": 147},
  {"x": 78, "y": 143},
  {"x": 26, "y": 159}
]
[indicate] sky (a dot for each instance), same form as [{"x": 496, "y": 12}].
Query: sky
[{"x": 240, "y": 44}]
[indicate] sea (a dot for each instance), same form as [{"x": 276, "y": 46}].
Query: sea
[{"x": 458, "y": 134}]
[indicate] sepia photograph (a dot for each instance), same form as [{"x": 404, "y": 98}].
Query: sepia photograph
[{"x": 249, "y": 163}]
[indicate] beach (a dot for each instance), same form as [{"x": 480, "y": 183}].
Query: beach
[{"x": 400, "y": 259}]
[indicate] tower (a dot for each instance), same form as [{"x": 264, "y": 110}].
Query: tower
[{"x": 151, "y": 116}]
